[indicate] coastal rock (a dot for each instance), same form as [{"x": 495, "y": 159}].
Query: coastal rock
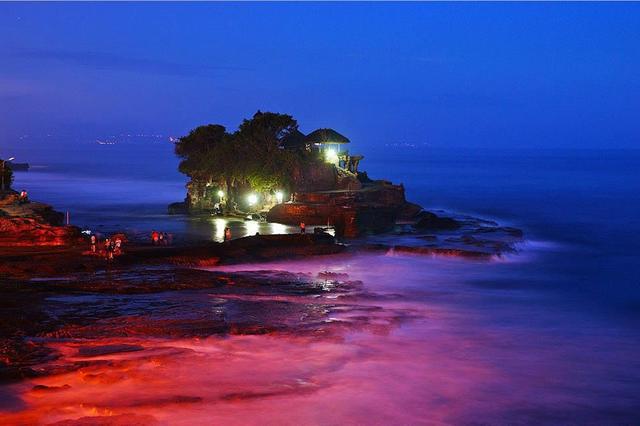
[
  {"x": 178, "y": 208},
  {"x": 126, "y": 419},
  {"x": 374, "y": 208},
  {"x": 440, "y": 251},
  {"x": 409, "y": 211},
  {"x": 33, "y": 224},
  {"x": 268, "y": 247},
  {"x": 429, "y": 220},
  {"x": 320, "y": 177}
]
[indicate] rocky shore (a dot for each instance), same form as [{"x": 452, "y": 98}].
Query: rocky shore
[
  {"x": 33, "y": 224},
  {"x": 53, "y": 289},
  {"x": 373, "y": 208}
]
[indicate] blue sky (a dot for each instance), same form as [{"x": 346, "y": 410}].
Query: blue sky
[{"x": 445, "y": 74}]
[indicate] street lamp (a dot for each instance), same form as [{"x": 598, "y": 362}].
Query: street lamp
[
  {"x": 4, "y": 161},
  {"x": 279, "y": 197},
  {"x": 221, "y": 194},
  {"x": 252, "y": 199}
]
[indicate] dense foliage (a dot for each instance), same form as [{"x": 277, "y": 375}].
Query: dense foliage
[{"x": 249, "y": 158}]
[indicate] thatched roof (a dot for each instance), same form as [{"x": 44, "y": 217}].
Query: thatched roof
[
  {"x": 326, "y": 136},
  {"x": 293, "y": 140}
]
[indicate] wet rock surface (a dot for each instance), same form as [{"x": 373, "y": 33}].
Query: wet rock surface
[
  {"x": 448, "y": 235},
  {"x": 66, "y": 314},
  {"x": 431, "y": 221},
  {"x": 33, "y": 224},
  {"x": 164, "y": 303},
  {"x": 25, "y": 263},
  {"x": 155, "y": 292}
]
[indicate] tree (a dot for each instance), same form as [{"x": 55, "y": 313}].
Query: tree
[
  {"x": 265, "y": 130},
  {"x": 266, "y": 166},
  {"x": 248, "y": 159},
  {"x": 200, "y": 152},
  {"x": 7, "y": 175}
]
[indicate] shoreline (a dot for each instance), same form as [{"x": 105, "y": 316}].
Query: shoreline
[{"x": 32, "y": 276}]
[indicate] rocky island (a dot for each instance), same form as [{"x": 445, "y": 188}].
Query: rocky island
[
  {"x": 56, "y": 292},
  {"x": 269, "y": 167}
]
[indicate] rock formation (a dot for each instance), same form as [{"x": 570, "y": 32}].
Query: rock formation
[
  {"x": 32, "y": 224},
  {"x": 373, "y": 208}
]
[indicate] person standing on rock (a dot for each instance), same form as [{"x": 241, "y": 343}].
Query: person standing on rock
[
  {"x": 155, "y": 237},
  {"x": 117, "y": 251},
  {"x": 23, "y": 198},
  {"x": 227, "y": 234},
  {"x": 93, "y": 243},
  {"x": 303, "y": 228},
  {"x": 110, "y": 250},
  {"x": 107, "y": 245}
]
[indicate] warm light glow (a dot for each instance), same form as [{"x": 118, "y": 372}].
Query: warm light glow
[
  {"x": 278, "y": 228},
  {"x": 331, "y": 156},
  {"x": 221, "y": 193},
  {"x": 220, "y": 224},
  {"x": 252, "y": 199},
  {"x": 251, "y": 227},
  {"x": 279, "y": 197}
]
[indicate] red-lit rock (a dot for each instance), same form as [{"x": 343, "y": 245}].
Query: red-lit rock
[
  {"x": 33, "y": 224},
  {"x": 374, "y": 208}
]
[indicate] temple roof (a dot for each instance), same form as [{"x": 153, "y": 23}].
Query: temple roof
[
  {"x": 326, "y": 136},
  {"x": 295, "y": 139}
]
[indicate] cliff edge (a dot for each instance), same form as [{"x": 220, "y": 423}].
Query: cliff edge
[{"x": 32, "y": 224}]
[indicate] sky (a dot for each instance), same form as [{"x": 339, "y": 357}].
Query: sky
[{"x": 480, "y": 75}]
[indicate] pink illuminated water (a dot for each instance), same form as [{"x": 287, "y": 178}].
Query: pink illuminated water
[
  {"x": 550, "y": 335},
  {"x": 439, "y": 350}
]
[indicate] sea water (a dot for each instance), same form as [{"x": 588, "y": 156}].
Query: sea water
[{"x": 548, "y": 335}]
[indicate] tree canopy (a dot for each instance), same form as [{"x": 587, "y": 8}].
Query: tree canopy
[{"x": 248, "y": 158}]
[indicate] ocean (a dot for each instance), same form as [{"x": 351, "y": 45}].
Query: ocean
[{"x": 547, "y": 335}]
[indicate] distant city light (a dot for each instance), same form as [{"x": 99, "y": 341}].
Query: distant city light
[
  {"x": 279, "y": 197},
  {"x": 331, "y": 156},
  {"x": 252, "y": 199}
]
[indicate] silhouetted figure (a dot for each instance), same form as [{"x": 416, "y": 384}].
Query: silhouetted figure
[
  {"x": 23, "y": 198},
  {"x": 227, "y": 234},
  {"x": 117, "y": 248},
  {"x": 155, "y": 236},
  {"x": 303, "y": 228}
]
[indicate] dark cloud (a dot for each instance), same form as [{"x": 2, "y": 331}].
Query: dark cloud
[{"x": 111, "y": 62}]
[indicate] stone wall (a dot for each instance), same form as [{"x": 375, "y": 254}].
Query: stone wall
[{"x": 371, "y": 209}]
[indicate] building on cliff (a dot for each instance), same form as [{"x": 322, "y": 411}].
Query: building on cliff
[
  {"x": 321, "y": 163},
  {"x": 328, "y": 143}
]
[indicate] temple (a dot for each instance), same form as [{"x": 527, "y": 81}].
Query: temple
[{"x": 328, "y": 142}]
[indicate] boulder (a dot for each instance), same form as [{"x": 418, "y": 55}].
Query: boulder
[
  {"x": 431, "y": 221},
  {"x": 34, "y": 224},
  {"x": 409, "y": 211}
]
